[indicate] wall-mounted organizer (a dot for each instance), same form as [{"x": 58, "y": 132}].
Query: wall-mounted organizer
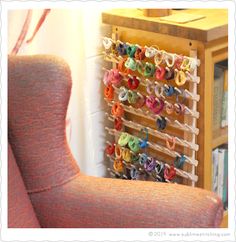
[
  {"x": 209, "y": 36},
  {"x": 152, "y": 95}
]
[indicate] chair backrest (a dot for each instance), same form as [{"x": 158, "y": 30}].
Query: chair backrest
[
  {"x": 38, "y": 94},
  {"x": 20, "y": 211}
]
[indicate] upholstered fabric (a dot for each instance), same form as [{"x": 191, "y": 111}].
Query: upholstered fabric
[
  {"x": 90, "y": 202},
  {"x": 39, "y": 89},
  {"x": 20, "y": 210}
]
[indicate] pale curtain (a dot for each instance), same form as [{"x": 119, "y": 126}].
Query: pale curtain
[{"x": 75, "y": 35}]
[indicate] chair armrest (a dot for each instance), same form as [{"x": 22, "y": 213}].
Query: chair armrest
[{"x": 91, "y": 202}]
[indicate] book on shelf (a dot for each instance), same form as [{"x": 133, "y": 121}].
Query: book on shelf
[
  {"x": 215, "y": 162},
  {"x": 225, "y": 180},
  {"x": 220, "y": 173},
  {"x": 220, "y": 98},
  {"x": 221, "y": 154},
  {"x": 224, "y": 113}
]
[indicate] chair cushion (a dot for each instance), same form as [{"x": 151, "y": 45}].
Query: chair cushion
[{"x": 20, "y": 210}]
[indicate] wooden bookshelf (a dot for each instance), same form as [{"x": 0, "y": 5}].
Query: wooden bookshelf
[{"x": 219, "y": 137}]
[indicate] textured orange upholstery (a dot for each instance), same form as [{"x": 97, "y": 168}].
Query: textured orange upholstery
[
  {"x": 39, "y": 91},
  {"x": 20, "y": 211},
  {"x": 90, "y": 202}
]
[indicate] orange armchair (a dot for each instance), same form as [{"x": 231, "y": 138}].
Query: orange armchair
[{"x": 46, "y": 188}]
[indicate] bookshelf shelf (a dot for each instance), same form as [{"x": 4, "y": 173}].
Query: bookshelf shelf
[
  {"x": 219, "y": 137},
  {"x": 224, "y": 223}
]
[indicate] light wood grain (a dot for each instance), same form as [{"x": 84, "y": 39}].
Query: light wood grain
[
  {"x": 224, "y": 223},
  {"x": 156, "y": 12},
  {"x": 219, "y": 137},
  {"x": 182, "y": 18},
  {"x": 207, "y": 120},
  {"x": 213, "y": 52},
  {"x": 207, "y": 29}
]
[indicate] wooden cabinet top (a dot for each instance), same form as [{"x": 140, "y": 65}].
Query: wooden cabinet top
[{"x": 213, "y": 25}]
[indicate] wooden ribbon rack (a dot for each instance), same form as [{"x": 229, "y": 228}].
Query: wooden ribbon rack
[{"x": 156, "y": 95}]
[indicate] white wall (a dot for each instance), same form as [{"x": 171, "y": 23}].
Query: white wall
[{"x": 74, "y": 35}]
